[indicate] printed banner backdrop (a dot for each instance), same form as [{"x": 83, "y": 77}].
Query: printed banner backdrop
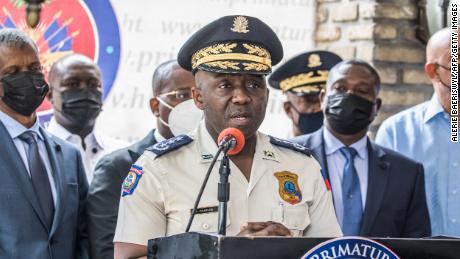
[{"x": 128, "y": 39}]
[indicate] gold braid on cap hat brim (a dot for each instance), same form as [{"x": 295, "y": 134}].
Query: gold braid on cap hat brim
[
  {"x": 223, "y": 56},
  {"x": 303, "y": 79}
]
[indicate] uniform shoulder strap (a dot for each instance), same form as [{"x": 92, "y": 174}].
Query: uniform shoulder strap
[
  {"x": 290, "y": 145},
  {"x": 169, "y": 145}
]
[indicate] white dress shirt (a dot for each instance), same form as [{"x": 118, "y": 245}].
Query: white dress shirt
[
  {"x": 16, "y": 129},
  {"x": 97, "y": 145},
  {"x": 336, "y": 164}
]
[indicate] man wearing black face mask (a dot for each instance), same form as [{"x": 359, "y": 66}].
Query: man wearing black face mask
[
  {"x": 76, "y": 95},
  {"x": 301, "y": 79},
  {"x": 377, "y": 192},
  {"x": 43, "y": 181}
]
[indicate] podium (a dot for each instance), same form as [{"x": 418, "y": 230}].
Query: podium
[{"x": 207, "y": 246}]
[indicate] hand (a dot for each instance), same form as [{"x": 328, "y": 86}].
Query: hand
[{"x": 268, "y": 228}]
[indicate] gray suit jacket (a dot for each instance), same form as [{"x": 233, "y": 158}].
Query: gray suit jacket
[
  {"x": 395, "y": 202},
  {"x": 23, "y": 232},
  {"x": 104, "y": 195}
]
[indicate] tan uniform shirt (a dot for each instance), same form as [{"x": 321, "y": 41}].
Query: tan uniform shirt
[{"x": 285, "y": 186}]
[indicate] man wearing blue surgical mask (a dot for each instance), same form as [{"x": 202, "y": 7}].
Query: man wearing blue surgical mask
[{"x": 176, "y": 114}]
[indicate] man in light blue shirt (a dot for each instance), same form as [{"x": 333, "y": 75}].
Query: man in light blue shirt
[{"x": 423, "y": 134}]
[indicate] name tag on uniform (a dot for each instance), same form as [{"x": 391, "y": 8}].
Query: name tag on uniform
[{"x": 205, "y": 210}]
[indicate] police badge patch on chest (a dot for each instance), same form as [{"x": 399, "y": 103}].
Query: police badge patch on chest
[{"x": 288, "y": 187}]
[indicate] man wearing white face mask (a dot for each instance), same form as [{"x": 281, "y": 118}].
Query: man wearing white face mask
[
  {"x": 176, "y": 114},
  {"x": 183, "y": 116}
]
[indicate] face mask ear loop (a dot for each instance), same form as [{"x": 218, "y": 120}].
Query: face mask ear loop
[
  {"x": 167, "y": 106},
  {"x": 163, "y": 122},
  {"x": 164, "y": 103}
]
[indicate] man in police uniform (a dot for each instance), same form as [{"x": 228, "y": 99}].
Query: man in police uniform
[
  {"x": 276, "y": 186},
  {"x": 302, "y": 78}
]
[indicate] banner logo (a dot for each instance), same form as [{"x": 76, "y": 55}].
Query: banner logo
[{"x": 87, "y": 27}]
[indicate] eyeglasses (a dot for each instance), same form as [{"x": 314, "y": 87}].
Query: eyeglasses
[
  {"x": 179, "y": 94},
  {"x": 441, "y": 66}
]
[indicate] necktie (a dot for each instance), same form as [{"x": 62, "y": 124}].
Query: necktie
[
  {"x": 351, "y": 195},
  {"x": 39, "y": 176}
]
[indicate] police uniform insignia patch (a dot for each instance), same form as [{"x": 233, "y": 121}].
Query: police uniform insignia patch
[
  {"x": 131, "y": 180},
  {"x": 288, "y": 187},
  {"x": 169, "y": 145},
  {"x": 290, "y": 145},
  {"x": 269, "y": 154}
]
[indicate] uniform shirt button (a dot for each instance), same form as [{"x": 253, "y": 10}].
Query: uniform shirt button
[
  {"x": 453, "y": 220},
  {"x": 454, "y": 192},
  {"x": 94, "y": 150},
  {"x": 205, "y": 226},
  {"x": 454, "y": 164}
]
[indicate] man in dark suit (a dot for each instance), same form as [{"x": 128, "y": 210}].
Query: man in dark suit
[
  {"x": 377, "y": 192},
  {"x": 176, "y": 114},
  {"x": 43, "y": 187}
]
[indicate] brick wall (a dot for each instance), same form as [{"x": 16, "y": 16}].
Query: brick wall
[{"x": 383, "y": 33}]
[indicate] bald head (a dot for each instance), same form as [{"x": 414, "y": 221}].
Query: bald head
[
  {"x": 438, "y": 65},
  {"x": 65, "y": 63},
  {"x": 163, "y": 73},
  {"x": 438, "y": 45}
]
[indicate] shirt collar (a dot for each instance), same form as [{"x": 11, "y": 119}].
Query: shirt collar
[
  {"x": 158, "y": 136},
  {"x": 59, "y": 131},
  {"x": 333, "y": 144},
  {"x": 208, "y": 147},
  {"x": 434, "y": 108},
  {"x": 15, "y": 129}
]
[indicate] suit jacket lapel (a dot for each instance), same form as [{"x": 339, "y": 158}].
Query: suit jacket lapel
[
  {"x": 319, "y": 151},
  {"x": 56, "y": 162},
  {"x": 138, "y": 149},
  {"x": 378, "y": 178},
  {"x": 14, "y": 166}
]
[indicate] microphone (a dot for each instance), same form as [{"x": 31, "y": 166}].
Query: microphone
[{"x": 232, "y": 140}]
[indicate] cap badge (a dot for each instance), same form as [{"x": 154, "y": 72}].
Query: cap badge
[
  {"x": 240, "y": 24},
  {"x": 314, "y": 60}
]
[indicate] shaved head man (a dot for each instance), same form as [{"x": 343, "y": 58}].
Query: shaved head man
[
  {"x": 437, "y": 65},
  {"x": 76, "y": 95},
  {"x": 423, "y": 134}
]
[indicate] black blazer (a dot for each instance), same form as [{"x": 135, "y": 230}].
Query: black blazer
[
  {"x": 395, "y": 202},
  {"x": 104, "y": 195}
]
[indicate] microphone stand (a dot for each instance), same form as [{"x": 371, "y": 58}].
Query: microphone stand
[
  {"x": 203, "y": 185},
  {"x": 223, "y": 193}
]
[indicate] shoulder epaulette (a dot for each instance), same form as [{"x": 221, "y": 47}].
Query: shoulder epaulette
[
  {"x": 169, "y": 145},
  {"x": 290, "y": 145}
]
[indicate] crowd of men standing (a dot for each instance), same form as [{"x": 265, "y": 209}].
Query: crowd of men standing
[{"x": 71, "y": 192}]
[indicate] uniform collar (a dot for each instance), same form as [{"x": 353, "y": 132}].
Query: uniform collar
[
  {"x": 59, "y": 131},
  {"x": 333, "y": 144},
  {"x": 15, "y": 129},
  {"x": 434, "y": 108},
  {"x": 207, "y": 147}
]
